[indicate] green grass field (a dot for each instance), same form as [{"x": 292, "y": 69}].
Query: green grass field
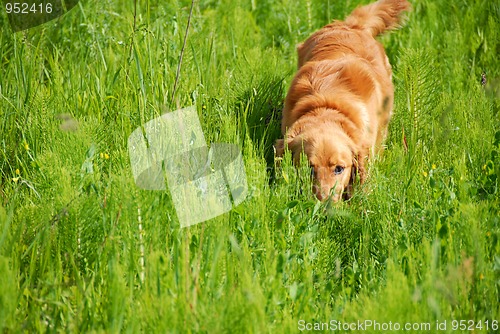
[{"x": 82, "y": 249}]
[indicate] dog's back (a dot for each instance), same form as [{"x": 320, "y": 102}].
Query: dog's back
[{"x": 343, "y": 67}]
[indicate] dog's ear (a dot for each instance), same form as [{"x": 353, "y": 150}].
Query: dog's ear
[
  {"x": 279, "y": 148},
  {"x": 349, "y": 190},
  {"x": 358, "y": 168},
  {"x": 291, "y": 136}
]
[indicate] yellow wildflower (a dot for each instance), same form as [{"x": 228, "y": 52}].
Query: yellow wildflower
[{"x": 424, "y": 173}]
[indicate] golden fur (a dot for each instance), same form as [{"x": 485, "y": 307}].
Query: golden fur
[{"x": 340, "y": 101}]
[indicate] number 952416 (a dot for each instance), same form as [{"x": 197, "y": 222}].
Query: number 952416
[
  {"x": 26, "y": 8},
  {"x": 471, "y": 325}
]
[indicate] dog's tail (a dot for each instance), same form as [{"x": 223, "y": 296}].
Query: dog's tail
[{"x": 379, "y": 16}]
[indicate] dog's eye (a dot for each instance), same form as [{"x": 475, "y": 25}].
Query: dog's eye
[
  {"x": 312, "y": 171},
  {"x": 338, "y": 170}
]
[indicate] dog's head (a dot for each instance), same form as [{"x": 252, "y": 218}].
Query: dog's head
[{"x": 333, "y": 157}]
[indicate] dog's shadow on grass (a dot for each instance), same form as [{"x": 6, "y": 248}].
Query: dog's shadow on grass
[{"x": 259, "y": 109}]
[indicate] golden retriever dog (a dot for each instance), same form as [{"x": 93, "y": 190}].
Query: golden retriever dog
[{"x": 339, "y": 104}]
